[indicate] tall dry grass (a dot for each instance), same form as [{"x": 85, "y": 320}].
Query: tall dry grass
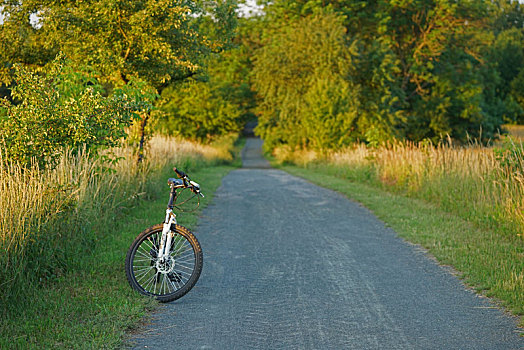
[
  {"x": 516, "y": 131},
  {"x": 477, "y": 182},
  {"x": 46, "y": 215}
]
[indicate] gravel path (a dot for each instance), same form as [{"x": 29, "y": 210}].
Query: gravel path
[{"x": 290, "y": 265}]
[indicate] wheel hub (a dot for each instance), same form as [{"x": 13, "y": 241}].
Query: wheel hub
[{"x": 166, "y": 265}]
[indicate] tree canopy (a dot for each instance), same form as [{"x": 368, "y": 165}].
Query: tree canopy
[
  {"x": 317, "y": 74},
  {"x": 154, "y": 40},
  {"x": 141, "y": 47},
  {"x": 56, "y": 110},
  {"x": 415, "y": 69}
]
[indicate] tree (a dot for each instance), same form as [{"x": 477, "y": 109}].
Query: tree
[
  {"x": 197, "y": 110},
  {"x": 218, "y": 100},
  {"x": 434, "y": 49},
  {"x": 507, "y": 14},
  {"x": 507, "y": 57},
  {"x": 416, "y": 68},
  {"x": 154, "y": 41},
  {"x": 301, "y": 75}
]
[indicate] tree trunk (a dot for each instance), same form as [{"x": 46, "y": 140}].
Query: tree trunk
[{"x": 145, "y": 118}]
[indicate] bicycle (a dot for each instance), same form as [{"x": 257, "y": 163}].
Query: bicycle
[{"x": 165, "y": 260}]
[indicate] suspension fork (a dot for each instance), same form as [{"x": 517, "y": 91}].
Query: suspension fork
[{"x": 167, "y": 234}]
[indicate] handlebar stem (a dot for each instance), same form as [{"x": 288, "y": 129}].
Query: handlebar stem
[{"x": 172, "y": 198}]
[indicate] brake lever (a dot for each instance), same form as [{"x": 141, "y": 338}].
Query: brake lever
[{"x": 196, "y": 188}]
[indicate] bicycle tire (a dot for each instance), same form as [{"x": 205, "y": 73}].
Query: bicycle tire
[{"x": 177, "y": 276}]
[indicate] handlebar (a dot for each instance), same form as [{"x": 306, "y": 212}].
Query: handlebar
[
  {"x": 180, "y": 173},
  {"x": 188, "y": 183}
]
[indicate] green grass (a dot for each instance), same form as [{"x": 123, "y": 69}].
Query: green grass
[
  {"x": 92, "y": 306},
  {"x": 487, "y": 261}
]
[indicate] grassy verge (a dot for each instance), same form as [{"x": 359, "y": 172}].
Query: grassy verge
[
  {"x": 92, "y": 306},
  {"x": 489, "y": 262},
  {"x": 61, "y": 273}
]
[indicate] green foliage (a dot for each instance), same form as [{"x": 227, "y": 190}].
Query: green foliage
[
  {"x": 215, "y": 103},
  {"x": 142, "y": 95},
  {"x": 507, "y": 14},
  {"x": 197, "y": 110},
  {"x": 228, "y": 73},
  {"x": 53, "y": 112},
  {"x": 72, "y": 270},
  {"x": 413, "y": 69},
  {"x": 217, "y": 22},
  {"x": 507, "y": 55},
  {"x": 517, "y": 95},
  {"x": 510, "y": 155},
  {"x": 300, "y": 74},
  {"x": 155, "y": 41}
]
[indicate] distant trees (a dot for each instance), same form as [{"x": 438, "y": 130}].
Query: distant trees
[
  {"x": 218, "y": 100},
  {"x": 198, "y": 110},
  {"x": 507, "y": 57},
  {"x": 302, "y": 74},
  {"x": 331, "y": 72}
]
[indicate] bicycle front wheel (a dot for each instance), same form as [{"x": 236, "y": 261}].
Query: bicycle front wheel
[{"x": 164, "y": 279}]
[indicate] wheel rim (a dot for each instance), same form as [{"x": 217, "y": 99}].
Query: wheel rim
[{"x": 157, "y": 277}]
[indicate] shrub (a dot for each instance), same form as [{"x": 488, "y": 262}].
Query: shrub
[{"x": 45, "y": 116}]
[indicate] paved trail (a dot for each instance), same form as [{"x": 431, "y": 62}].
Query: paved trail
[{"x": 289, "y": 265}]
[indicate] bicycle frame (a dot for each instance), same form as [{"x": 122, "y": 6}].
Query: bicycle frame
[{"x": 167, "y": 233}]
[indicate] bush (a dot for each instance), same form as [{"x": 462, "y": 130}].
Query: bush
[{"x": 48, "y": 113}]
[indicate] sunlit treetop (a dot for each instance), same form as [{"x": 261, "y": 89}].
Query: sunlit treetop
[{"x": 154, "y": 40}]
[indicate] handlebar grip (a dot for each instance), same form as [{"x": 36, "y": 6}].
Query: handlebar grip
[{"x": 180, "y": 173}]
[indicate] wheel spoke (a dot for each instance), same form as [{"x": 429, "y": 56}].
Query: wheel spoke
[
  {"x": 180, "y": 243},
  {"x": 171, "y": 283},
  {"x": 184, "y": 274},
  {"x": 185, "y": 267},
  {"x": 143, "y": 255},
  {"x": 153, "y": 244},
  {"x": 187, "y": 257},
  {"x": 144, "y": 274},
  {"x": 150, "y": 282},
  {"x": 163, "y": 290},
  {"x": 155, "y": 282},
  {"x": 145, "y": 269},
  {"x": 148, "y": 260},
  {"x": 180, "y": 254}
]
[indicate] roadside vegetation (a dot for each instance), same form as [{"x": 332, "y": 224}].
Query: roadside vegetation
[
  {"x": 84, "y": 157},
  {"x": 480, "y": 184},
  {"x": 334, "y": 73},
  {"x": 65, "y": 233}
]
